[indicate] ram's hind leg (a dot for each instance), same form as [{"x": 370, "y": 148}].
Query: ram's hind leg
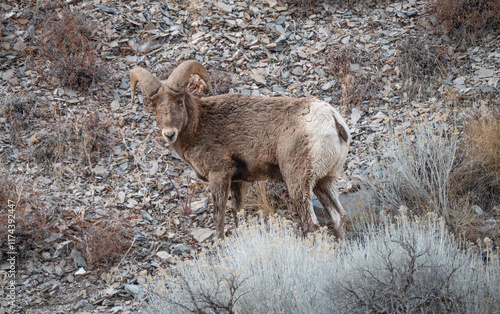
[
  {"x": 294, "y": 168},
  {"x": 300, "y": 196},
  {"x": 327, "y": 194},
  {"x": 238, "y": 191}
]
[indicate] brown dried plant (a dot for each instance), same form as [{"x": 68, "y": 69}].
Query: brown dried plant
[
  {"x": 465, "y": 19},
  {"x": 477, "y": 177},
  {"x": 85, "y": 140},
  {"x": 66, "y": 43},
  {"x": 419, "y": 60},
  {"x": 268, "y": 197},
  {"x": 355, "y": 71},
  {"x": 24, "y": 221},
  {"x": 105, "y": 241}
]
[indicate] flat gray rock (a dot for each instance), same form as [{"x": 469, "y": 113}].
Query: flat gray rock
[
  {"x": 224, "y": 7},
  {"x": 134, "y": 290},
  {"x": 484, "y": 73},
  {"x": 202, "y": 234}
]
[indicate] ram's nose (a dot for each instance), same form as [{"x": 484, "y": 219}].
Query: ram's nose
[{"x": 170, "y": 135}]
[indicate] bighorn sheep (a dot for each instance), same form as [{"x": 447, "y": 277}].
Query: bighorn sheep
[{"x": 233, "y": 139}]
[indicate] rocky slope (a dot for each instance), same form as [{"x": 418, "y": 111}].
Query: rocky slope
[{"x": 98, "y": 170}]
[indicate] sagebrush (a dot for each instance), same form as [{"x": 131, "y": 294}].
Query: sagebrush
[
  {"x": 436, "y": 168},
  {"x": 413, "y": 267},
  {"x": 267, "y": 267},
  {"x": 415, "y": 171}
]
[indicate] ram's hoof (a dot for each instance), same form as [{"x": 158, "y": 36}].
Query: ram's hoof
[{"x": 310, "y": 227}]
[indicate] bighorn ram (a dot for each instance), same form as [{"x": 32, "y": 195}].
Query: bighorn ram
[{"x": 233, "y": 139}]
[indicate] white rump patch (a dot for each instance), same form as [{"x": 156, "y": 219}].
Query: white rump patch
[{"x": 328, "y": 150}]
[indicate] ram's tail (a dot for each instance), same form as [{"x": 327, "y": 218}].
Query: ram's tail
[{"x": 342, "y": 128}]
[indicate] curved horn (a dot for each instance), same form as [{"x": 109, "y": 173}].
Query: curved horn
[
  {"x": 150, "y": 83},
  {"x": 179, "y": 77}
]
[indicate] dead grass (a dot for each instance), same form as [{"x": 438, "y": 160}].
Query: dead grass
[
  {"x": 22, "y": 215},
  {"x": 355, "y": 71},
  {"x": 66, "y": 43},
  {"x": 467, "y": 20},
  {"x": 477, "y": 176},
  {"x": 82, "y": 140},
  {"x": 420, "y": 62},
  {"x": 106, "y": 241},
  {"x": 270, "y": 197},
  {"x": 261, "y": 198},
  {"x": 483, "y": 135}
]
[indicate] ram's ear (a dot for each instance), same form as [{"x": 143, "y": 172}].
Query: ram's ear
[{"x": 156, "y": 99}]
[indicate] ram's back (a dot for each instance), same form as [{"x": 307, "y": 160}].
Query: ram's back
[{"x": 260, "y": 133}]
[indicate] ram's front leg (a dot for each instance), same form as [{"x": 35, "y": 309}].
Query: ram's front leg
[{"x": 219, "y": 185}]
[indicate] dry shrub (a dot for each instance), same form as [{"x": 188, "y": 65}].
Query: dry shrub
[
  {"x": 305, "y": 4},
  {"x": 414, "y": 172},
  {"x": 83, "y": 138},
  {"x": 36, "y": 11},
  {"x": 268, "y": 196},
  {"x": 87, "y": 139},
  {"x": 355, "y": 71},
  {"x": 267, "y": 267},
  {"x": 465, "y": 18},
  {"x": 26, "y": 221},
  {"x": 22, "y": 216},
  {"x": 19, "y": 114},
  {"x": 106, "y": 241},
  {"x": 310, "y": 4},
  {"x": 52, "y": 148},
  {"x": 477, "y": 176},
  {"x": 431, "y": 171},
  {"x": 66, "y": 42},
  {"x": 419, "y": 60},
  {"x": 92, "y": 137},
  {"x": 221, "y": 82}
]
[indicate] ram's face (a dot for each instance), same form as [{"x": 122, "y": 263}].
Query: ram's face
[
  {"x": 170, "y": 117},
  {"x": 168, "y": 96}
]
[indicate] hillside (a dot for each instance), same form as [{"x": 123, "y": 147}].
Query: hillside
[{"x": 101, "y": 201}]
